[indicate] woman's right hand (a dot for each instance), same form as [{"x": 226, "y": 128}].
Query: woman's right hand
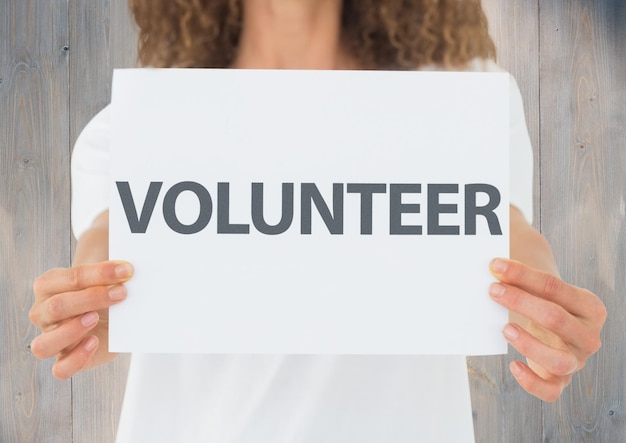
[{"x": 71, "y": 308}]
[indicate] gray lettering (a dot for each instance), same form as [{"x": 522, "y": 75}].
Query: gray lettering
[
  {"x": 257, "y": 210},
  {"x": 366, "y": 190},
  {"x": 310, "y": 194},
  {"x": 169, "y": 207},
  {"x": 472, "y": 211},
  {"x": 223, "y": 213},
  {"x": 138, "y": 225},
  {"x": 435, "y": 208},
  {"x": 397, "y": 208}
]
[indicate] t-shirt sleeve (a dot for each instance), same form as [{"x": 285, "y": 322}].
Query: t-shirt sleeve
[
  {"x": 521, "y": 156},
  {"x": 90, "y": 172}
]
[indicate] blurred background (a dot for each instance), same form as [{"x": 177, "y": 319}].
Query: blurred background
[{"x": 569, "y": 58}]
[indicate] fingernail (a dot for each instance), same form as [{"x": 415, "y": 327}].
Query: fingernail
[
  {"x": 499, "y": 266},
  {"x": 510, "y": 332},
  {"x": 91, "y": 343},
  {"x": 123, "y": 270},
  {"x": 497, "y": 290},
  {"x": 574, "y": 369},
  {"x": 516, "y": 369},
  {"x": 89, "y": 319},
  {"x": 117, "y": 293}
]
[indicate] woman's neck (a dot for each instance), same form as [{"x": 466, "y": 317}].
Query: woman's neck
[{"x": 292, "y": 34}]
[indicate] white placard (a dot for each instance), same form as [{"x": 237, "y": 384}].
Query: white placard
[{"x": 404, "y": 168}]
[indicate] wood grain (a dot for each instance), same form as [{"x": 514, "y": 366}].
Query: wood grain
[
  {"x": 583, "y": 98},
  {"x": 34, "y": 206},
  {"x": 569, "y": 57}
]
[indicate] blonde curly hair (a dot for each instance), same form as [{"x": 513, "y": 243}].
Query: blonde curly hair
[{"x": 380, "y": 34}]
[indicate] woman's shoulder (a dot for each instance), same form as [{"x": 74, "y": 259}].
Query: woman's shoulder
[
  {"x": 97, "y": 133},
  {"x": 484, "y": 65}
]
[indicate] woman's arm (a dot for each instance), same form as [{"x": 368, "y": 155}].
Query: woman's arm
[
  {"x": 93, "y": 245},
  {"x": 555, "y": 325},
  {"x": 72, "y": 304}
]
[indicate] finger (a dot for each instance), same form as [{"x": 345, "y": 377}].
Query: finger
[
  {"x": 81, "y": 277},
  {"x": 558, "y": 362},
  {"x": 65, "y": 336},
  {"x": 546, "y": 389},
  {"x": 545, "y": 313},
  {"x": 76, "y": 359},
  {"x": 61, "y": 307},
  {"x": 575, "y": 300}
]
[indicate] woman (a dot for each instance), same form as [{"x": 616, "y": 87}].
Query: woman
[{"x": 315, "y": 398}]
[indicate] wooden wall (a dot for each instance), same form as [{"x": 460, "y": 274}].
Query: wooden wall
[{"x": 569, "y": 57}]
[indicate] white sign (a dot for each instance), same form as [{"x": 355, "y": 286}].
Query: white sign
[{"x": 309, "y": 211}]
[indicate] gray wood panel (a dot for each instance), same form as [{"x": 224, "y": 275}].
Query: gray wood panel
[
  {"x": 583, "y": 176},
  {"x": 569, "y": 57},
  {"x": 102, "y": 38},
  {"x": 496, "y": 397},
  {"x": 34, "y": 209}
]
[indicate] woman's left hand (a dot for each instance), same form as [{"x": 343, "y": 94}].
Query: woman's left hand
[{"x": 555, "y": 325}]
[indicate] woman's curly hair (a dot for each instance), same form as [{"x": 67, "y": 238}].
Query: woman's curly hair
[{"x": 381, "y": 34}]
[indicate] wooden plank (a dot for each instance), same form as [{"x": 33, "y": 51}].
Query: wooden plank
[
  {"x": 90, "y": 66},
  {"x": 34, "y": 209},
  {"x": 583, "y": 176},
  {"x": 583, "y": 98},
  {"x": 503, "y": 412},
  {"x": 102, "y": 38},
  {"x": 123, "y": 46}
]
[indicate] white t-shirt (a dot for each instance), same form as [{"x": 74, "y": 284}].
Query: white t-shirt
[{"x": 290, "y": 398}]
